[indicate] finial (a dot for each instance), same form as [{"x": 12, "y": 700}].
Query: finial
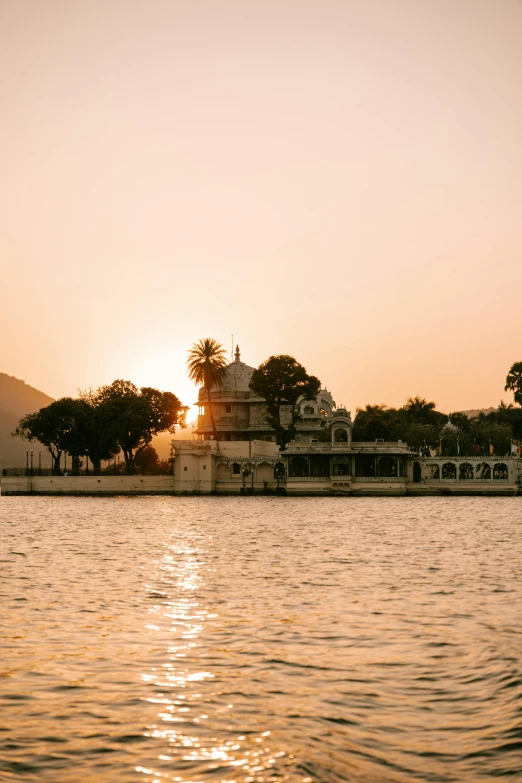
[{"x": 238, "y": 354}]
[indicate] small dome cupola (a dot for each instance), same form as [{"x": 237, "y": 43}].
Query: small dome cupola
[{"x": 341, "y": 427}]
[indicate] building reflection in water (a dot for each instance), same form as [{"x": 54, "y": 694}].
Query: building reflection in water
[{"x": 191, "y": 720}]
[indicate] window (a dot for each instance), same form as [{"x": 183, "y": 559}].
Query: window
[
  {"x": 386, "y": 466},
  {"x": 236, "y": 469},
  {"x": 309, "y": 411},
  {"x": 228, "y": 407},
  {"x": 299, "y": 467},
  {"x": 341, "y": 466}
]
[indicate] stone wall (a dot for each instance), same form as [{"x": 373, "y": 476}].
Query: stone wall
[{"x": 88, "y": 485}]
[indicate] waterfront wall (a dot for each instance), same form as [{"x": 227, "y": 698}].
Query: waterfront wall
[
  {"x": 88, "y": 485},
  {"x": 167, "y": 485}
]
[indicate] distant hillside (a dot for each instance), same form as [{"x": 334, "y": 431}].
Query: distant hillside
[
  {"x": 17, "y": 399},
  {"x": 472, "y": 414}
]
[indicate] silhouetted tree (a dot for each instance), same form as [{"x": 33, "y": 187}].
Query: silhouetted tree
[
  {"x": 147, "y": 461},
  {"x": 206, "y": 365},
  {"x": 97, "y": 440},
  {"x": 486, "y": 432},
  {"x": 419, "y": 410},
  {"x": 374, "y": 422},
  {"x": 282, "y": 382},
  {"x": 514, "y": 382},
  {"x": 133, "y": 416},
  {"x": 54, "y": 427}
]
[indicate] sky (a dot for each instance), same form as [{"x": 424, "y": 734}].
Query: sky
[{"x": 340, "y": 180}]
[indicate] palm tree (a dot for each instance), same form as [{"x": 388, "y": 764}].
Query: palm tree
[
  {"x": 514, "y": 381},
  {"x": 419, "y": 409},
  {"x": 206, "y": 365}
]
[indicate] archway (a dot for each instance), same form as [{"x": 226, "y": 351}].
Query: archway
[
  {"x": 449, "y": 470},
  {"x": 483, "y": 471},
  {"x": 500, "y": 472},
  {"x": 222, "y": 472},
  {"x": 417, "y": 472},
  {"x": 465, "y": 471},
  {"x": 341, "y": 466}
]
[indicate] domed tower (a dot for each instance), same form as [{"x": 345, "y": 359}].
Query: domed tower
[
  {"x": 238, "y": 413},
  {"x": 341, "y": 427}
]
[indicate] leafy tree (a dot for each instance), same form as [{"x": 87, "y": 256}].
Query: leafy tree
[
  {"x": 282, "y": 382},
  {"x": 206, "y": 366},
  {"x": 419, "y": 410},
  {"x": 55, "y": 428},
  {"x": 420, "y": 436},
  {"x": 417, "y": 423},
  {"x": 98, "y": 441},
  {"x": 510, "y": 415},
  {"x": 486, "y": 432},
  {"x": 132, "y": 416},
  {"x": 147, "y": 461},
  {"x": 374, "y": 422},
  {"x": 514, "y": 382}
]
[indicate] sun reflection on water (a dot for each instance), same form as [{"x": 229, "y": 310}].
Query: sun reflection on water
[{"x": 184, "y": 709}]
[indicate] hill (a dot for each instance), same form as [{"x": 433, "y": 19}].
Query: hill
[
  {"x": 17, "y": 399},
  {"x": 472, "y": 414}
]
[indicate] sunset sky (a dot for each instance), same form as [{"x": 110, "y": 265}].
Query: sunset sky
[{"x": 336, "y": 179}]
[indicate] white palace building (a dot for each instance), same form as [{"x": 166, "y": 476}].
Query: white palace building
[{"x": 322, "y": 460}]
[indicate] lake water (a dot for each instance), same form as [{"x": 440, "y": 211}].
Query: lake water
[{"x": 260, "y": 639}]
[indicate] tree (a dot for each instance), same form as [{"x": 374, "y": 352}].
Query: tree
[
  {"x": 98, "y": 441},
  {"x": 420, "y": 436},
  {"x": 488, "y": 433},
  {"x": 132, "y": 416},
  {"x": 375, "y": 421},
  {"x": 510, "y": 415},
  {"x": 419, "y": 409},
  {"x": 206, "y": 365},
  {"x": 282, "y": 381},
  {"x": 54, "y": 427},
  {"x": 514, "y": 382},
  {"x": 147, "y": 461}
]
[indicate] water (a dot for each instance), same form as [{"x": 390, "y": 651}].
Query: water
[{"x": 260, "y": 639}]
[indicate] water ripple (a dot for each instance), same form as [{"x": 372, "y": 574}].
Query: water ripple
[{"x": 260, "y": 640}]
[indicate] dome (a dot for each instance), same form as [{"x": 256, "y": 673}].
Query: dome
[
  {"x": 341, "y": 413},
  {"x": 449, "y": 426},
  {"x": 237, "y": 378}
]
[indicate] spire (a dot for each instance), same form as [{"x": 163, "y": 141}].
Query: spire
[{"x": 238, "y": 354}]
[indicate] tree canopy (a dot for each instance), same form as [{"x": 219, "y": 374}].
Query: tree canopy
[
  {"x": 102, "y": 422},
  {"x": 55, "y": 427},
  {"x": 132, "y": 416},
  {"x": 282, "y": 382}
]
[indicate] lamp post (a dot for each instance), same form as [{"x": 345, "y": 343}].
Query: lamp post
[
  {"x": 27, "y": 463},
  {"x": 32, "y": 462},
  {"x": 39, "y": 463}
]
